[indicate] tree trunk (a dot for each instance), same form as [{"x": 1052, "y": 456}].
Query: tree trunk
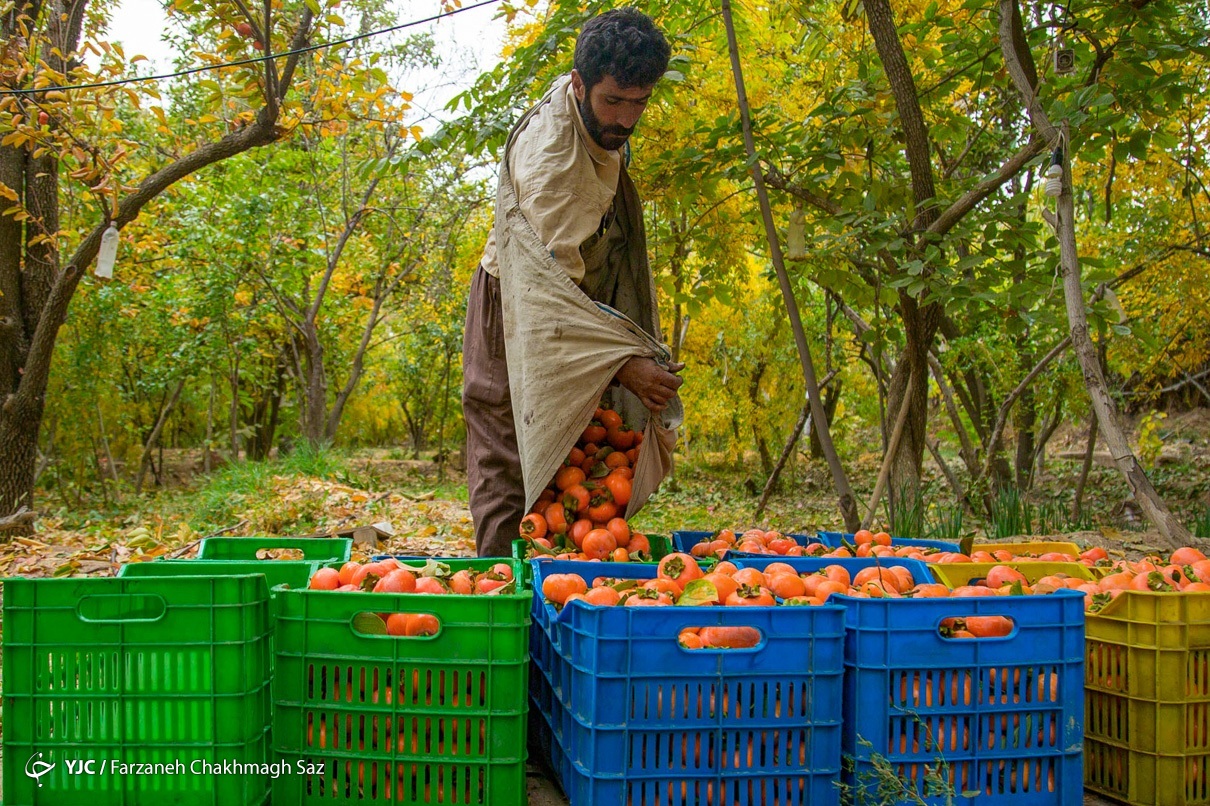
[
  {"x": 206, "y": 463},
  {"x": 1016, "y": 58},
  {"x": 912, "y": 367},
  {"x": 233, "y": 411},
  {"x": 154, "y": 437},
  {"x": 888, "y": 460},
  {"x": 265, "y": 416},
  {"x": 920, "y": 322},
  {"x": 966, "y": 449},
  {"x": 1154, "y": 507},
  {"x": 109, "y": 464},
  {"x": 19, "y": 447},
  {"x": 1038, "y": 463},
  {"x": 1077, "y": 504},
  {"x": 845, "y": 500},
  {"x": 445, "y": 406},
  {"x": 315, "y": 409},
  {"x": 1026, "y": 421},
  {"x": 831, "y": 399}
]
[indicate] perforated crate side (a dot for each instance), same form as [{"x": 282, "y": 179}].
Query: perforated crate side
[
  {"x": 1151, "y": 646},
  {"x": 437, "y": 719},
  {"x": 1143, "y": 779},
  {"x": 636, "y": 715},
  {"x": 141, "y": 671},
  {"x": 1001, "y": 717}
]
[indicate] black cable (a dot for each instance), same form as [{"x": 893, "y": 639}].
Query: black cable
[{"x": 242, "y": 62}]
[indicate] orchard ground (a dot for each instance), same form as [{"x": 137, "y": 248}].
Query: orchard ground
[{"x": 91, "y": 531}]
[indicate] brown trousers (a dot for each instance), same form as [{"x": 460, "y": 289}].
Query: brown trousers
[{"x": 493, "y": 462}]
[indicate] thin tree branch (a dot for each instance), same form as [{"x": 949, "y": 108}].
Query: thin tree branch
[
  {"x": 788, "y": 450},
  {"x": 969, "y": 200},
  {"x": 993, "y": 444},
  {"x": 969, "y": 456},
  {"x": 844, "y": 494},
  {"x": 892, "y": 447}
]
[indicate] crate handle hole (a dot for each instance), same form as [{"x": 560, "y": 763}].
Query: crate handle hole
[
  {"x": 965, "y": 628},
  {"x": 397, "y": 625},
  {"x": 720, "y": 638},
  {"x": 280, "y": 554},
  {"x": 127, "y": 607}
]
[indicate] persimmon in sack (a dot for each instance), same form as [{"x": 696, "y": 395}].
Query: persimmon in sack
[
  {"x": 533, "y": 526},
  {"x": 620, "y": 487},
  {"x": 598, "y": 544}
]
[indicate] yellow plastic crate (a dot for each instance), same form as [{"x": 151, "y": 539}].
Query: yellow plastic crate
[
  {"x": 1147, "y": 698},
  {"x": 1146, "y": 779},
  {"x": 1152, "y": 646},
  {"x": 1030, "y": 547},
  {"x": 952, "y": 575}
]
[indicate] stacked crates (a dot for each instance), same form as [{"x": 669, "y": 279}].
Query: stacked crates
[
  {"x": 372, "y": 718},
  {"x": 1148, "y": 698},
  {"x": 630, "y": 717},
  {"x": 937, "y": 720},
  {"x": 173, "y": 673}
]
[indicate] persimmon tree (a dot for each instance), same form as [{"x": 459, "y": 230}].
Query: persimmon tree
[
  {"x": 920, "y": 177},
  {"x": 57, "y": 142},
  {"x": 919, "y": 166}
]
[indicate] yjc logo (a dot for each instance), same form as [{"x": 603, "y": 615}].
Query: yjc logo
[{"x": 35, "y": 768}]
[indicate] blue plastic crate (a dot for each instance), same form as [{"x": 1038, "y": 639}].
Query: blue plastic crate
[
  {"x": 837, "y": 539},
  {"x": 684, "y": 539},
  {"x": 639, "y": 719},
  {"x": 543, "y": 747},
  {"x": 1000, "y": 719},
  {"x": 803, "y": 565}
]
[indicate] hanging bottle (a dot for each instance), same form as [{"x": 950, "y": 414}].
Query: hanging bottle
[{"x": 108, "y": 251}]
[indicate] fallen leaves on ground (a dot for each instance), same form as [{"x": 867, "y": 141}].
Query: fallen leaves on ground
[{"x": 422, "y": 524}]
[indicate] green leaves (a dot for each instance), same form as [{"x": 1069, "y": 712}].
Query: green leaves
[{"x": 697, "y": 593}]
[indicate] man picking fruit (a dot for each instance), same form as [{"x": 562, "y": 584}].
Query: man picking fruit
[{"x": 562, "y": 306}]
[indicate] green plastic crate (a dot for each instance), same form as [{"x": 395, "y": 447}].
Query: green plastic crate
[
  {"x": 1147, "y": 698},
  {"x": 439, "y": 719},
  {"x": 138, "y": 671},
  {"x": 314, "y": 549},
  {"x": 293, "y": 573}
]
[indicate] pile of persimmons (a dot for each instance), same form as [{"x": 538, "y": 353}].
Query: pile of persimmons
[
  {"x": 579, "y": 514},
  {"x": 391, "y": 576},
  {"x": 681, "y": 581},
  {"x": 873, "y": 544}
]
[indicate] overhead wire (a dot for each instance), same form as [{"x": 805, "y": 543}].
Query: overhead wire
[{"x": 242, "y": 62}]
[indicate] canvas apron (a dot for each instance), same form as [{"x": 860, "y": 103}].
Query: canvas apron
[{"x": 563, "y": 348}]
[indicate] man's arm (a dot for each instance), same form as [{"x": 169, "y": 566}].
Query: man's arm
[{"x": 650, "y": 383}]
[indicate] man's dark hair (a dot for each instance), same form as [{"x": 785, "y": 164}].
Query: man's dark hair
[{"x": 623, "y": 43}]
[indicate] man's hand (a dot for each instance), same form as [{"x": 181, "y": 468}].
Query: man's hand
[{"x": 650, "y": 382}]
